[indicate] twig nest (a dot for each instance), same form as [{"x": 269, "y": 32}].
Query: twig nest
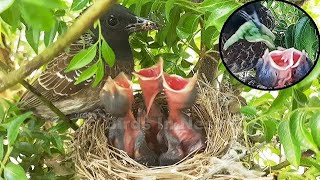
[{"x": 96, "y": 159}]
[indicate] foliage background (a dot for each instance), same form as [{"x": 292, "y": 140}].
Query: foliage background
[{"x": 280, "y": 128}]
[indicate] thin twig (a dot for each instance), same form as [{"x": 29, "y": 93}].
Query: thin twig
[{"x": 43, "y": 99}]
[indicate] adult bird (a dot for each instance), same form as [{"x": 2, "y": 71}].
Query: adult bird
[
  {"x": 58, "y": 86},
  {"x": 243, "y": 55}
]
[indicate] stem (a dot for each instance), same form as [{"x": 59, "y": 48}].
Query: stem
[{"x": 5, "y": 159}]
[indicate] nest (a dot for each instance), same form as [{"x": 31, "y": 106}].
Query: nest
[{"x": 96, "y": 159}]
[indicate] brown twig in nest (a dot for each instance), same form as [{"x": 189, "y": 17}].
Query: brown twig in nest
[{"x": 96, "y": 159}]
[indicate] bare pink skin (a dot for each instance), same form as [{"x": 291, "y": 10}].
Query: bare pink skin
[
  {"x": 282, "y": 62},
  {"x": 150, "y": 80},
  {"x": 181, "y": 94}
]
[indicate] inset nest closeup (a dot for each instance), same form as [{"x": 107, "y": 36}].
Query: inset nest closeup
[{"x": 96, "y": 159}]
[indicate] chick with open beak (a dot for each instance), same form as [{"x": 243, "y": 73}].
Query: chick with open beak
[
  {"x": 125, "y": 133},
  {"x": 180, "y": 133},
  {"x": 150, "y": 80}
]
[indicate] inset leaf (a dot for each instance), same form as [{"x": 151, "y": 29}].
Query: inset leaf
[
  {"x": 289, "y": 37},
  {"x": 315, "y": 127},
  {"x": 305, "y": 36},
  {"x": 83, "y": 58},
  {"x": 290, "y": 145},
  {"x": 86, "y": 74},
  {"x": 14, "y": 172},
  {"x": 108, "y": 54},
  {"x": 14, "y": 125}
]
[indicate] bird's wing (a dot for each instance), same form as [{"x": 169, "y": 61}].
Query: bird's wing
[{"x": 54, "y": 84}]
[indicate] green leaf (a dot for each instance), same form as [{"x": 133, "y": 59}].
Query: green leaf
[
  {"x": 299, "y": 131},
  {"x": 14, "y": 172},
  {"x": 108, "y": 54},
  {"x": 186, "y": 64},
  {"x": 299, "y": 99},
  {"x": 14, "y": 125},
  {"x": 315, "y": 127},
  {"x": 78, "y": 4},
  {"x": 1, "y": 148},
  {"x": 290, "y": 145},
  {"x": 83, "y": 58},
  {"x": 51, "y": 4},
  {"x": 57, "y": 142},
  {"x": 248, "y": 110},
  {"x": 278, "y": 103},
  {"x": 5, "y": 4},
  {"x": 99, "y": 73},
  {"x": 289, "y": 38},
  {"x": 33, "y": 36},
  {"x": 169, "y": 5},
  {"x": 209, "y": 36},
  {"x": 11, "y": 16},
  {"x": 187, "y": 25},
  {"x": 50, "y": 35},
  {"x": 219, "y": 12},
  {"x": 2, "y": 113},
  {"x": 305, "y": 36},
  {"x": 270, "y": 129},
  {"x": 37, "y": 17},
  {"x": 311, "y": 77},
  {"x": 87, "y": 74}
]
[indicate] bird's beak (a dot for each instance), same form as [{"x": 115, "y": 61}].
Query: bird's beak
[
  {"x": 117, "y": 95},
  {"x": 180, "y": 92},
  {"x": 124, "y": 85},
  {"x": 141, "y": 24},
  {"x": 150, "y": 80}
]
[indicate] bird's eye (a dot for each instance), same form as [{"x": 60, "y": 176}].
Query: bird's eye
[{"x": 112, "y": 21}]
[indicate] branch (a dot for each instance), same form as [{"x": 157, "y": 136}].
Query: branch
[
  {"x": 43, "y": 99},
  {"x": 79, "y": 27}
]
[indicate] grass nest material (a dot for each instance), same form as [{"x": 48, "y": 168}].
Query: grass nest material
[{"x": 96, "y": 159}]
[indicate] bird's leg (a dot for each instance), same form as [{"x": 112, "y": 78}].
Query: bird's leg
[{"x": 150, "y": 80}]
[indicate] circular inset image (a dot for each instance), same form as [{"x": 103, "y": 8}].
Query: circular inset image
[{"x": 269, "y": 45}]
